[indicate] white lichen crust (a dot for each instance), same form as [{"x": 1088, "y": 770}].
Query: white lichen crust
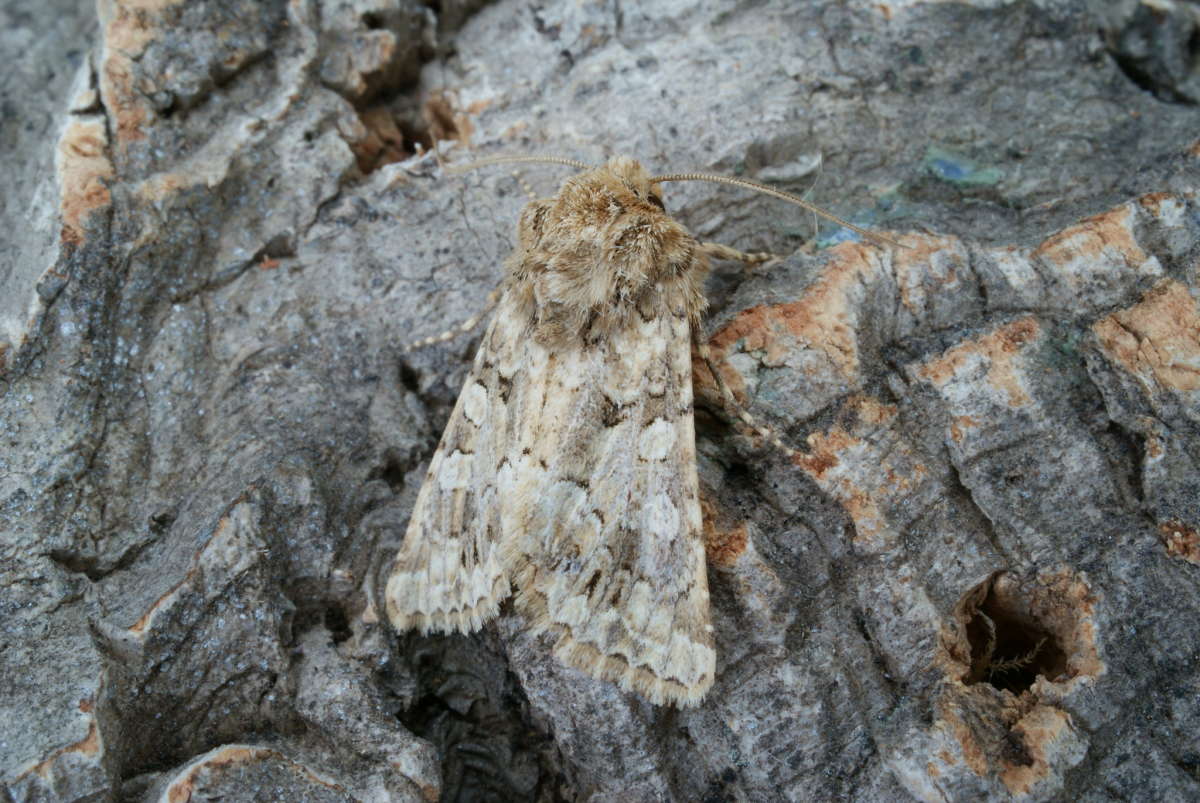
[{"x": 568, "y": 466}]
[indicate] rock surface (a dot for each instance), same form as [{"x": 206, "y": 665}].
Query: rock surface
[{"x": 977, "y": 581}]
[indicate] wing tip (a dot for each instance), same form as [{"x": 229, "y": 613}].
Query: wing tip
[
  {"x": 403, "y": 598},
  {"x": 640, "y": 679}
]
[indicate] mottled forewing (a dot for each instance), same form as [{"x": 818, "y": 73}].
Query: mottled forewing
[
  {"x": 448, "y": 575},
  {"x": 601, "y": 492}
]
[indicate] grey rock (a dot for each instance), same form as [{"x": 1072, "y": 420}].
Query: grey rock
[{"x": 221, "y": 225}]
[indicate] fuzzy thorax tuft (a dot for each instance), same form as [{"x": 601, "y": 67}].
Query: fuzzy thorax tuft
[{"x": 602, "y": 251}]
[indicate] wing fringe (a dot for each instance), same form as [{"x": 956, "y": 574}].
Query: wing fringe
[{"x": 608, "y": 666}]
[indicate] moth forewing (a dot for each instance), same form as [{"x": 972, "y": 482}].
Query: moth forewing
[
  {"x": 449, "y": 576},
  {"x": 607, "y": 552}
]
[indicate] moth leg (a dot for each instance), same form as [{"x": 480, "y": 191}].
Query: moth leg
[
  {"x": 718, "y": 251},
  {"x": 732, "y": 404},
  {"x": 462, "y": 328}
]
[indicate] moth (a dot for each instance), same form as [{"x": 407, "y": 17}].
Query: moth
[{"x": 567, "y": 470}]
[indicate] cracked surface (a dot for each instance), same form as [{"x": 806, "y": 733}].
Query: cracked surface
[{"x": 210, "y": 439}]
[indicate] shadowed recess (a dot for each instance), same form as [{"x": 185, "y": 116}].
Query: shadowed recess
[{"x": 1010, "y": 647}]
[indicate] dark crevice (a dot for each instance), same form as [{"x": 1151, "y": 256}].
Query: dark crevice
[
  {"x": 400, "y": 121},
  {"x": 97, "y": 567},
  {"x": 1125, "y": 452},
  {"x": 1135, "y": 71},
  {"x": 409, "y": 378},
  {"x": 987, "y": 526},
  {"x": 337, "y": 623},
  {"x": 877, "y": 656},
  {"x": 392, "y": 471},
  {"x": 476, "y": 715},
  {"x": 1158, "y": 50},
  {"x": 1009, "y": 649},
  {"x": 1189, "y": 763}
]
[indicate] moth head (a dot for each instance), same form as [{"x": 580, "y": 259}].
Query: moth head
[
  {"x": 609, "y": 217},
  {"x": 636, "y": 180}
]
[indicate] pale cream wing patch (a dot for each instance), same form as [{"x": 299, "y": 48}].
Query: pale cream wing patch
[
  {"x": 602, "y": 494},
  {"x": 448, "y": 575}
]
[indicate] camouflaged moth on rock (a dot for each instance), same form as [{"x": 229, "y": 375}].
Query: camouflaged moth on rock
[{"x": 568, "y": 467}]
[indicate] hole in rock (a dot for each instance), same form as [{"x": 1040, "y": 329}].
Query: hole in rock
[
  {"x": 337, "y": 624},
  {"x": 392, "y": 471},
  {"x": 1020, "y": 630}
]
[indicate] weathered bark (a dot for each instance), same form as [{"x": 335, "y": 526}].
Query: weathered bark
[{"x": 979, "y": 581}]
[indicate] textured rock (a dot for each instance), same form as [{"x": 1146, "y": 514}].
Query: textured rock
[{"x": 976, "y": 581}]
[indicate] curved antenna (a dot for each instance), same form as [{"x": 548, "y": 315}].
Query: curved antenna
[
  {"x": 782, "y": 195},
  {"x": 499, "y": 160}
]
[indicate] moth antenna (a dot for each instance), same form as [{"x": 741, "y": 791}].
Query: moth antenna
[
  {"x": 782, "y": 195},
  {"x": 1018, "y": 662},
  {"x": 732, "y": 404},
  {"x": 499, "y": 160},
  {"x": 462, "y": 328}
]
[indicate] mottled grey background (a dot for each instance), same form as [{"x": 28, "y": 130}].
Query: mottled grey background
[{"x": 980, "y": 582}]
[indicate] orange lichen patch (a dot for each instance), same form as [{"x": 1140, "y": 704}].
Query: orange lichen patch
[
  {"x": 1153, "y": 202},
  {"x": 129, "y": 110},
  {"x": 90, "y": 746},
  {"x": 928, "y": 266},
  {"x": 1064, "y": 604},
  {"x": 444, "y": 122},
  {"x": 824, "y": 451},
  {"x": 971, "y": 752},
  {"x": 477, "y": 107},
  {"x": 231, "y": 757},
  {"x": 960, "y": 424},
  {"x": 723, "y": 544},
  {"x": 1092, "y": 239},
  {"x": 1181, "y": 540},
  {"x": 824, "y": 319},
  {"x": 818, "y": 463},
  {"x": 83, "y": 166},
  {"x": 138, "y": 627},
  {"x": 1039, "y": 733},
  {"x": 381, "y": 143},
  {"x": 1194, "y": 149},
  {"x": 1157, "y": 340},
  {"x": 869, "y": 522},
  {"x": 1152, "y": 442},
  {"x": 998, "y": 350},
  {"x": 130, "y": 26},
  {"x": 268, "y": 263},
  {"x": 164, "y": 186},
  {"x": 836, "y": 456}
]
